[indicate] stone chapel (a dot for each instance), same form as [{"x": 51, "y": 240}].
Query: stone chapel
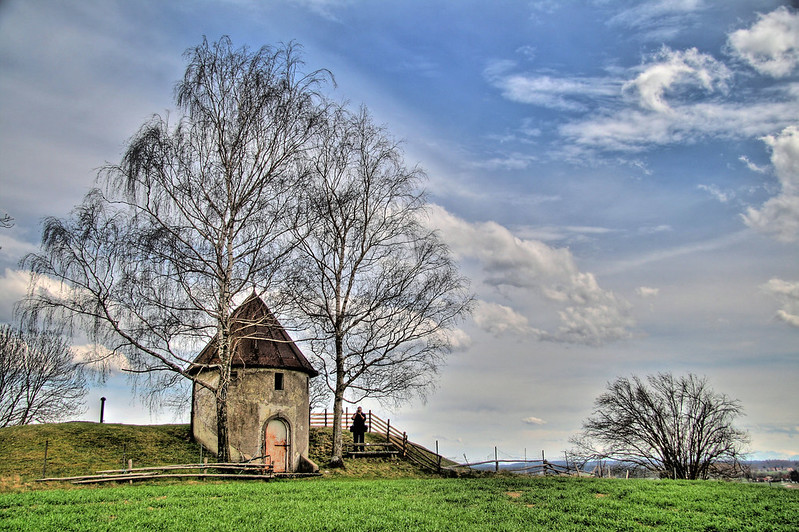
[{"x": 268, "y": 400}]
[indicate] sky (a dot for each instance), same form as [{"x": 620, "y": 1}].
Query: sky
[{"x": 618, "y": 179}]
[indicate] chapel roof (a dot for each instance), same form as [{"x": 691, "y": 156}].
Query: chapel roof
[{"x": 262, "y": 342}]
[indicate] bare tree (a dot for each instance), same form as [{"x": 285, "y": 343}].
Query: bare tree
[
  {"x": 6, "y": 221},
  {"x": 676, "y": 427},
  {"x": 39, "y": 380},
  {"x": 192, "y": 219},
  {"x": 379, "y": 291}
]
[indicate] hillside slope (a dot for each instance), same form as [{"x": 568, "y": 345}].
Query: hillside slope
[{"x": 81, "y": 448}]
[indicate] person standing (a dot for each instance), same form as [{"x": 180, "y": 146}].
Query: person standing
[{"x": 358, "y": 429}]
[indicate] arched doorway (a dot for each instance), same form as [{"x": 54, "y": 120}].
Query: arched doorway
[{"x": 276, "y": 443}]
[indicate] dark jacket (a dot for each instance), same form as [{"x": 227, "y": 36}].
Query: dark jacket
[{"x": 359, "y": 422}]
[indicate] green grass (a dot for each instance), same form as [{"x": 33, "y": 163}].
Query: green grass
[
  {"x": 499, "y": 503},
  {"x": 81, "y": 448},
  {"x": 368, "y": 495}
]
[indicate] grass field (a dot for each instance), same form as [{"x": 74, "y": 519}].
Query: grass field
[
  {"x": 500, "y": 503},
  {"x": 367, "y": 495}
]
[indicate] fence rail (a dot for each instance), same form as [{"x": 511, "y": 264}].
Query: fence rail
[
  {"x": 414, "y": 452},
  {"x": 432, "y": 460}
]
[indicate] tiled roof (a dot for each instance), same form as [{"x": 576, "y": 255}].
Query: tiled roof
[{"x": 263, "y": 342}]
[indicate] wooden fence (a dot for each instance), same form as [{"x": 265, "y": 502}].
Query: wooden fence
[
  {"x": 432, "y": 460},
  {"x": 414, "y": 452}
]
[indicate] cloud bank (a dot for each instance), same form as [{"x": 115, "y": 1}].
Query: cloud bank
[
  {"x": 771, "y": 45},
  {"x": 674, "y": 96},
  {"x": 779, "y": 216},
  {"x": 587, "y": 314}
]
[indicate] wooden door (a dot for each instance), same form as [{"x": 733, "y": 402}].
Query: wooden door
[{"x": 277, "y": 444}]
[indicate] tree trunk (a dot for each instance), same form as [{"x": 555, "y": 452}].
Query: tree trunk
[
  {"x": 225, "y": 356},
  {"x": 336, "y": 458},
  {"x": 223, "y": 445}
]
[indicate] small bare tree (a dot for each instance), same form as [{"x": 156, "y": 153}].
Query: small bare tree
[
  {"x": 676, "y": 427},
  {"x": 378, "y": 290},
  {"x": 39, "y": 379},
  {"x": 6, "y": 221},
  {"x": 191, "y": 220}
]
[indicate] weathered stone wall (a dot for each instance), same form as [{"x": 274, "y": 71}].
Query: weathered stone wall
[{"x": 252, "y": 401}]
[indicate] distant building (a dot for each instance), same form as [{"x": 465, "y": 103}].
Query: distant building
[{"x": 268, "y": 403}]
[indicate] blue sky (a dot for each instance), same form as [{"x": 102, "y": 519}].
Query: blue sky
[{"x": 619, "y": 179}]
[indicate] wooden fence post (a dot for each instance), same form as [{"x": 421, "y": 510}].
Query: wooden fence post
[
  {"x": 369, "y": 428},
  {"x": 404, "y": 443},
  {"x": 439, "y": 457},
  {"x": 44, "y": 467},
  {"x": 496, "y": 460},
  {"x": 388, "y": 429}
]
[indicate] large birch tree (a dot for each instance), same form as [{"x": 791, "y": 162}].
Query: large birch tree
[
  {"x": 152, "y": 263},
  {"x": 378, "y": 289}
]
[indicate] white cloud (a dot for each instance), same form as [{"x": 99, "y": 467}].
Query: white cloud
[
  {"x": 588, "y": 314},
  {"x": 646, "y": 291},
  {"x": 566, "y": 94},
  {"x": 673, "y": 70},
  {"x": 717, "y": 193},
  {"x": 458, "y": 339},
  {"x": 101, "y": 359},
  {"x": 779, "y": 216},
  {"x": 595, "y": 324},
  {"x": 787, "y": 293},
  {"x": 771, "y": 45},
  {"x": 13, "y": 286},
  {"x": 633, "y": 130},
  {"x": 752, "y": 166},
  {"x": 532, "y": 420},
  {"x": 499, "y": 319},
  {"x": 662, "y": 19},
  {"x": 514, "y": 161}
]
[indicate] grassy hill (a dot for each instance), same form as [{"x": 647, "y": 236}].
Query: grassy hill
[
  {"x": 81, "y": 448},
  {"x": 350, "y": 500}
]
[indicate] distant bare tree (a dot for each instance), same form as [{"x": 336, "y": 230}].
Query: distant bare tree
[
  {"x": 6, "y": 221},
  {"x": 39, "y": 380},
  {"x": 676, "y": 427},
  {"x": 191, "y": 220},
  {"x": 379, "y": 291}
]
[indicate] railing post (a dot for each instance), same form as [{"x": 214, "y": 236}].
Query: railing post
[
  {"x": 496, "y": 460},
  {"x": 325, "y": 417},
  {"x": 370, "y": 421},
  {"x": 388, "y": 429},
  {"x": 404, "y": 443},
  {"x": 439, "y": 457}
]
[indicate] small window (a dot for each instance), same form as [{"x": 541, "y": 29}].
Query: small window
[{"x": 278, "y": 381}]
